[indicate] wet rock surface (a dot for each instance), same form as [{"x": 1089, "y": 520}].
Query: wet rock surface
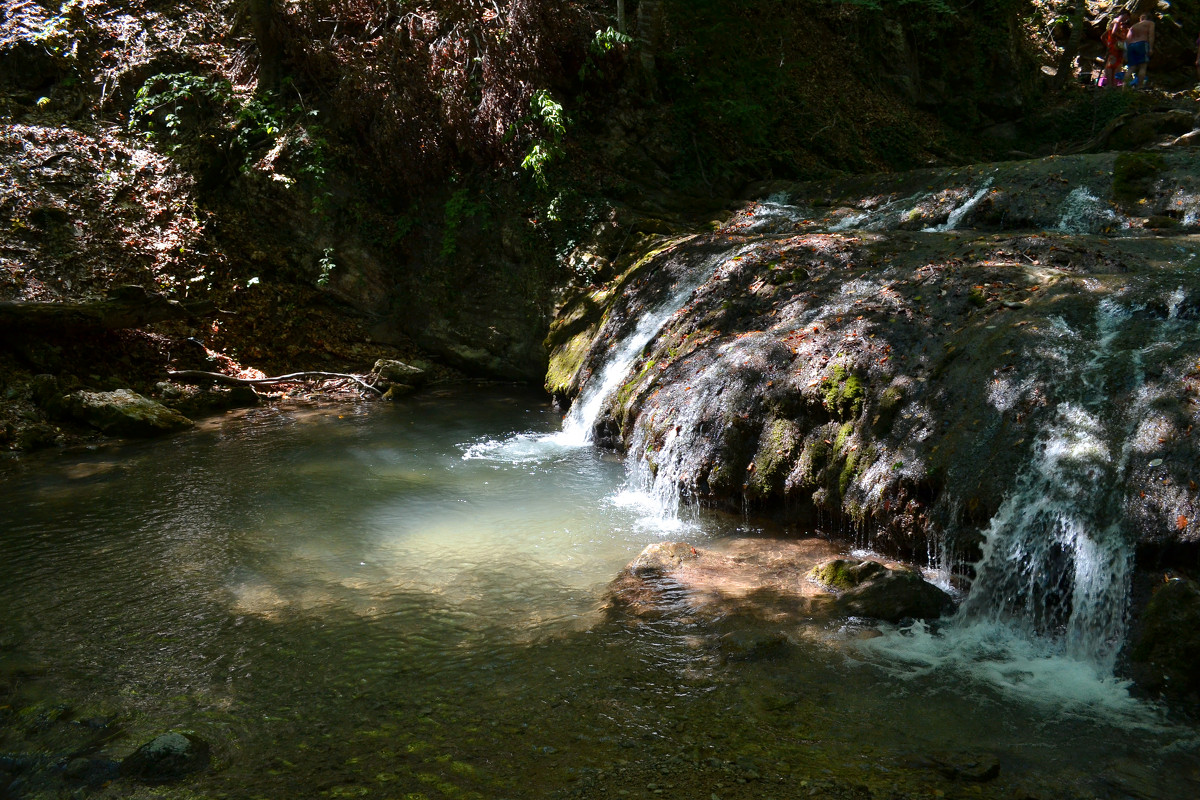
[
  {"x": 874, "y": 590},
  {"x": 125, "y": 413},
  {"x": 766, "y": 585},
  {"x": 1167, "y": 653},
  {"x": 900, "y": 380}
]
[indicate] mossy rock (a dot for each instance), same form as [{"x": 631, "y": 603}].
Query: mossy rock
[
  {"x": 125, "y": 413},
  {"x": 1134, "y": 174},
  {"x": 1167, "y": 653},
  {"x": 843, "y": 574},
  {"x": 890, "y": 402},
  {"x": 843, "y": 392},
  {"x": 776, "y": 453},
  {"x": 874, "y": 590}
]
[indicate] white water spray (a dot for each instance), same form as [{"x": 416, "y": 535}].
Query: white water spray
[
  {"x": 1083, "y": 212},
  {"x": 957, "y": 215},
  {"x": 1056, "y": 560},
  {"x": 580, "y": 419}
]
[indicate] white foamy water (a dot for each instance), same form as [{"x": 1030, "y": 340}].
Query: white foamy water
[
  {"x": 957, "y": 215},
  {"x": 1082, "y": 212},
  {"x": 577, "y": 427},
  {"x": 992, "y": 656},
  {"x": 883, "y": 217},
  {"x": 1056, "y": 561}
]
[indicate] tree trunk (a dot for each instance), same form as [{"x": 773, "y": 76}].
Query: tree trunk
[
  {"x": 1071, "y": 48},
  {"x": 264, "y": 19}
]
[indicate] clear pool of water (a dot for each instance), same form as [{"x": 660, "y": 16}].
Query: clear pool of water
[{"x": 405, "y": 601}]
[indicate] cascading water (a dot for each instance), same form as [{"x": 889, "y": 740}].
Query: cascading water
[
  {"x": 580, "y": 419},
  {"x": 1056, "y": 560},
  {"x": 884, "y": 217},
  {"x": 1083, "y": 212},
  {"x": 957, "y": 215}
]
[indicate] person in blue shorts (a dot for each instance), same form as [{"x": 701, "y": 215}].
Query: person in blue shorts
[{"x": 1139, "y": 46}]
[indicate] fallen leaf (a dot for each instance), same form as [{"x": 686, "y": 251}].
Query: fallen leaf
[{"x": 1181, "y": 522}]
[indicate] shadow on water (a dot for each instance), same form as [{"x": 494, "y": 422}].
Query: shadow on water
[{"x": 345, "y": 605}]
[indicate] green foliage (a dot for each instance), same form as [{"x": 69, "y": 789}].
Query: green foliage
[
  {"x": 923, "y": 6},
  {"x": 604, "y": 43},
  {"x": 173, "y": 94},
  {"x": 172, "y": 105},
  {"x": 327, "y": 267},
  {"x": 549, "y": 113},
  {"x": 459, "y": 207},
  {"x": 62, "y": 32}
]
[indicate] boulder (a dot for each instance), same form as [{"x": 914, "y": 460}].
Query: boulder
[
  {"x": 90, "y": 771},
  {"x": 167, "y": 758},
  {"x": 1167, "y": 653},
  {"x": 660, "y": 558},
  {"x": 194, "y": 402},
  {"x": 397, "y": 372},
  {"x": 870, "y": 589},
  {"x": 124, "y": 413}
]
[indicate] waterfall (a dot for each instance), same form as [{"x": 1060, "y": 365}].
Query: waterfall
[
  {"x": 956, "y": 216},
  {"x": 1056, "y": 560},
  {"x": 884, "y": 217},
  {"x": 1083, "y": 212},
  {"x": 581, "y": 418}
]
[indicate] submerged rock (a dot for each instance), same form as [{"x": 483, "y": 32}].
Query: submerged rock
[
  {"x": 166, "y": 758},
  {"x": 871, "y": 589},
  {"x": 125, "y": 413},
  {"x": 754, "y": 645},
  {"x": 661, "y": 557},
  {"x": 194, "y": 402}
]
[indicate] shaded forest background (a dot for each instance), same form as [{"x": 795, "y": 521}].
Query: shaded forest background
[{"x": 353, "y": 179}]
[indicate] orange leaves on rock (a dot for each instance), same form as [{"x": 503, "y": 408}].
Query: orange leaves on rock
[{"x": 1181, "y": 522}]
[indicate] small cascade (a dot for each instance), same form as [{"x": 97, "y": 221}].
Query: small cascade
[
  {"x": 1082, "y": 212},
  {"x": 885, "y": 217},
  {"x": 775, "y": 214},
  {"x": 580, "y": 419},
  {"x": 662, "y": 467},
  {"x": 1056, "y": 560},
  {"x": 957, "y": 215}
]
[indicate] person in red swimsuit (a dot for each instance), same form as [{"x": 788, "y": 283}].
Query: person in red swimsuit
[{"x": 1114, "y": 39}]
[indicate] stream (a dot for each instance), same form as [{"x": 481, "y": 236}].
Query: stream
[{"x": 406, "y": 600}]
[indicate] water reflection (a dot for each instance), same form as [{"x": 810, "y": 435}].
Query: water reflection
[{"x": 375, "y": 602}]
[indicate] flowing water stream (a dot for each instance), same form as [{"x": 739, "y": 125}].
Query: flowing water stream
[
  {"x": 389, "y": 601},
  {"x": 409, "y": 600}
]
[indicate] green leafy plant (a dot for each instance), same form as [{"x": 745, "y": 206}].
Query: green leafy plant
[
  {"x": 604, "y": 43},
  {"x": 549, "y": 113},
  {"x": 252, "y": 124},
  {"x": 171, "y": 94},
  {"x": 327, "y": 267}
]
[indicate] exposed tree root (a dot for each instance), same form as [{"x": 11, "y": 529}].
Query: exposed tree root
[{"x": 198, "y": 376}]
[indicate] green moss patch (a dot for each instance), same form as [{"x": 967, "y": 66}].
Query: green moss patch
[
  {"x": 1134, "y": 174},
  {"x": 843, "y": 392}
]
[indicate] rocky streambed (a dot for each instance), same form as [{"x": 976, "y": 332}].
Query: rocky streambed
[{"x": 992, "y": 369}]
